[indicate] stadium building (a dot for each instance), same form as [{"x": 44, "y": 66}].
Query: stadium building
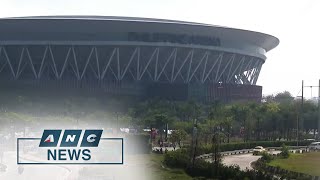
[{"x": 133, "y": 56}]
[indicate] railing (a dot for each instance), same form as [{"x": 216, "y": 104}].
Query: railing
[
  {"x": 301, "y": 149},
  {"x": 226, "y": 153}
]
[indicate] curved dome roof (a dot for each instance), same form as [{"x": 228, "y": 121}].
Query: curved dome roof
[{"x": 92, "y": 24}]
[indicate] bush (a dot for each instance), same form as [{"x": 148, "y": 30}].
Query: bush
[
  {"x": 177, "y": 159},
  {"x": 284, "y": 151},
  {"x": 206, "y": 169},
  {"x": 266, "y": 157},
  {"x": 200, "y": 168}
]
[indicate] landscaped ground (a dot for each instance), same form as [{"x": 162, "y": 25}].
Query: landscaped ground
[
  {"x": 165, "y": 173},
  {"x": 307, "y": 163},
  {"x": 148, "y": 165}
]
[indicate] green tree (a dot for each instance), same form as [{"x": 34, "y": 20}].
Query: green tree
[
  {"x": 284, "y": 97},
  {"x": 177, "y": 136},
  {"x": 240, "y": 113}
]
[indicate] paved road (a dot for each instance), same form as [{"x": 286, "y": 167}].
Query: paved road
[{"x": 242, "y": 160}]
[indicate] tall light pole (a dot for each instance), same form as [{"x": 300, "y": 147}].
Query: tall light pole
[
  {"x": 194, "y": 142},
  {"x": 300, "y": 120},
  {"x": 318, "y": 135},
  {"x": 301, "y": 116}
]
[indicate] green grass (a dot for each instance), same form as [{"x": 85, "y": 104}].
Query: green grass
[
  {"x": 307, "y": 163},
  {"x": 161, "y": 172}
]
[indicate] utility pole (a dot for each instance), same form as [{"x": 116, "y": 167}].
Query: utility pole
[
  {"x": 194, "y": 142},
  {"x": 319, "y": 111},
  {"x": 297, "y": 129},
  {"x": 167, "y": 127},
  {"x": 301, "y": 114},
  {"x": 216, "y": 151},
  {"x": 301, "y": 111},
  {"x": 118, "y": 128}
]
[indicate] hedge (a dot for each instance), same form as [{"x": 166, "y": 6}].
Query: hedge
[{"x": 177, "y": 159}]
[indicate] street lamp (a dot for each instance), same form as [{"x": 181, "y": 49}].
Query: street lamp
[
  {"x": 318, "y": 128},
  {"x": 221, "y": 90},
  {"x": 298, "y": 122}
]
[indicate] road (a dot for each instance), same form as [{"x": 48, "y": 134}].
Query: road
[{"x": 242, "y": 160}]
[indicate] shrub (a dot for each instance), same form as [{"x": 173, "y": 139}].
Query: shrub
[
  {"x": 200, "y": 168},
  {"x": 266, "y": 157},
  {"x": 284, "y": 151},
  {"x": 206, "y": 169},
  {"x": 177, "y": 159}
]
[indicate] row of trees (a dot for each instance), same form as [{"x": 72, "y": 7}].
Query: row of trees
[
  {"x": 275, "y": 118},
  {"x": 278, "y": 118}
]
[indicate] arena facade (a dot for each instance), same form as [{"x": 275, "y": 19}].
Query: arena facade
[{"x": 133, "y": 56}]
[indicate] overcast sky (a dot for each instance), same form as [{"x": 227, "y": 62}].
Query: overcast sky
[{"x": 295, "y": 22}]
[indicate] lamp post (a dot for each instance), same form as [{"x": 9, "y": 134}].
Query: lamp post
[
  {"x": 194, "y": 142},
  {"x": 301, "y": 116},
  {"x": 297, "y": 123},
  {"x": 117, "y": 119},
  {"x": 221, "y": 89}
]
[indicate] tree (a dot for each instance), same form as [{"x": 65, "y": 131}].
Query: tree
[
  {"x": 268, "y": 98},
  {"x": 240, "y": 113},
  {"x": 227, "y": 124},
  {"x": 272, "y": 110},
  {"x": 284, "y": 97},
  {"x": 188, "y": 111},
  {"x": 161, "y": 121},
  {"x": 177, "y": 136},
  {"x": 260, "y": 112}
]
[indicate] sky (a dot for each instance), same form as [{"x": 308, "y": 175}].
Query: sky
[{"x": 295, "y": 22}]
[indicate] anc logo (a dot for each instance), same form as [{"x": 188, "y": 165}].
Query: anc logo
[
  {"x": 70, "y": 138},
  {"x": 70, "y": 146}
]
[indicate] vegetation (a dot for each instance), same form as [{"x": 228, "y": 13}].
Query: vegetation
[
  {"x": 177, "y": 159},
  {"x": 273, "y": 120},
  {"x": 284, "y": 152},
  {"x": 266, "y": 157},
  {"x": 307, "y": 163},
  {"x": 202, "y": 169},
  {"x": 162, "y": 172},
  {"x": 177, "y": 136},
  {"x": 219, "y": 127},
  {"x": 152, "y": 165}
]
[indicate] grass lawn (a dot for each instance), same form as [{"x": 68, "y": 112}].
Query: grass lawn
[
  {"x": 307, "y": 163},
  {"x": 161, "y": 172}
]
